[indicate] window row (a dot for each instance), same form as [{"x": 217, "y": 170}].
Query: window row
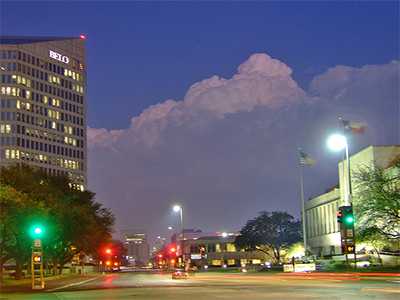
[
  {"x": 12, "y": 116},
  {"x": 6, "y": 78},
  {"x": 42, "y": 158},
  {"x": 15, "y": 79},
  {"x": 5, "y": 128},
  {"x": 40, "y": 110},
  {"x": 43, "y": 87},
  {"x": 210, "y": 248},
  {"x": 48, "y": 136},
  {"x": 48, "y": 148}
]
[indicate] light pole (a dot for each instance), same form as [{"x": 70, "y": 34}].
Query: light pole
[
  {"x": 338, "y": 142},
  {"x": 178, "y": 208}
]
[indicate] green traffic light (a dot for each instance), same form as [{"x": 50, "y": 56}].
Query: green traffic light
[
  {"x": 349, "y": 220},
  {"x": 37, "y": 231}
]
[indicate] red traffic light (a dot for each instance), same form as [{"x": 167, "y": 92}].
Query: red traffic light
[{"x": 108, "y": 251}]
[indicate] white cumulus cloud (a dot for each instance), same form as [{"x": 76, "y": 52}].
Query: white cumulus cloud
[{"x": 228, "y": 149}]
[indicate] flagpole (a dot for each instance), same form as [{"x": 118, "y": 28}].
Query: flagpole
[{"x": 303, "y": 208}]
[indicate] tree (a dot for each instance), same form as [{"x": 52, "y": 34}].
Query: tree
[
  {"x": 270, "y": 233},
  {"x": 74, "y": 222},
  {"x": 372, "y": 237},
  {"x": 17, "y": 211},
  {"x": 377, "y": 201}
]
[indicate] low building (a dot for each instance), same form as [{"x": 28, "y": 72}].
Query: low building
[
  {"x": 322, "y": 229},
  {"x": 217, "y": 250}
]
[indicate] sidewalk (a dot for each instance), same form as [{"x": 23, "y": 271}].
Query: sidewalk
[{"x": 54, "y": 282}]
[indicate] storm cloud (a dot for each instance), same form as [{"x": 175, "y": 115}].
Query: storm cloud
[{"x": 228, "y": 149}]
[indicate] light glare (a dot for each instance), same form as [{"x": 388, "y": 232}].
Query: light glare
[
  {"x": 336, "y": 142},
  {"x": 176, "y": 208}
]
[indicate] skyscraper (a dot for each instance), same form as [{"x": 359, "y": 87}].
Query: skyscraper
[
  {"x": 43, "y": 105},
  {"x": 138, "y": 249}
]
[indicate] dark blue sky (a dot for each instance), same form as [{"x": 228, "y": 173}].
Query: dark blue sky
[{"x": 143, "y": 53}]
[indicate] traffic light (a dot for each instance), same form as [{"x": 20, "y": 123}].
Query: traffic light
[
  {"x": 37, "y": 231},
  {"x": 339, "y": 215},
  {"x": 348, "y": 216},
  {"x": 346, "y": 219},
  {"x": 345, "y": 216},
  {"x": 108, "y": 251},
  {"x": 37, "y": 258},
  {"x": 172, "y": 250}
]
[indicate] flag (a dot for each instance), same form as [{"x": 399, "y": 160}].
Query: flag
[
  {"x": 354, "y": 127},
  {"x": 305, "y": 159}
]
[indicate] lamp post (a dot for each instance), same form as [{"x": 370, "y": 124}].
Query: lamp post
[
  {"x": 338, "y": 142},
  {"x": 179, "y": 209}
]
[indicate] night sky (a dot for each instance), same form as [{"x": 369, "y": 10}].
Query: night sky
[{"x": 223, "y": 146}]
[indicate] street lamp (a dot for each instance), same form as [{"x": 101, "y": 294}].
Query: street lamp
[
  {"x": 179, "y": 209},
  {"x": 338, "y": 142},
  {"x": 176, "y": 208}
]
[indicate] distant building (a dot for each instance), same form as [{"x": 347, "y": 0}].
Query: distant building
[
  {"x": 43, "y": 104},
  {"x": 138, "y": 249},
  {"x": 321, "y": 221},
  {"x": 216, "y": 250}
]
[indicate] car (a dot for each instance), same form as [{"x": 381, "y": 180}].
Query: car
[{"x": 180, "y": 274}]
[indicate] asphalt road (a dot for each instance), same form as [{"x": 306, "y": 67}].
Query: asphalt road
[{"x": 222, "y": 286}]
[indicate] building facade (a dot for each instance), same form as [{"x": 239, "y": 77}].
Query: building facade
[
  {"x": 138, "y": 250},
  {"x": 43, "y": 105},
  {"x": 215, "y": 250},
  {"x": 322, "y": 229},
  {"x": 220, "y": 251}
]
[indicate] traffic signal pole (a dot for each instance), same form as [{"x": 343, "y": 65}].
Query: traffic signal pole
[
  {"x": 346, "y": 220},
  {"x": 37, "y": 265}
]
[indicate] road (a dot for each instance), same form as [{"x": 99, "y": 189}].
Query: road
[{"x": 206, "y": 286}]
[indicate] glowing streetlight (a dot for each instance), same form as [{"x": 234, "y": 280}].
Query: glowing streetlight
[
  {"x": 337, "y": 142},
  {"x": 170, "y": 228},
  {"x": 224, "y": 234},
  {"x": 176, "y": 208}
]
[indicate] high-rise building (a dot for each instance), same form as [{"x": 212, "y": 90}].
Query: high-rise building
[
  {"x": 43, "y": 105},
  {"x": 138, "y": 249}
]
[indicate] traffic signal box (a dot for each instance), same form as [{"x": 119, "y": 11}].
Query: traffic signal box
[
  {"x": 37, "y": 269},
  {"x": 345, "y": 218}
]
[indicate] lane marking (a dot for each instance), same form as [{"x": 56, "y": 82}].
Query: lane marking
[{"x": 72, "y": 284}]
